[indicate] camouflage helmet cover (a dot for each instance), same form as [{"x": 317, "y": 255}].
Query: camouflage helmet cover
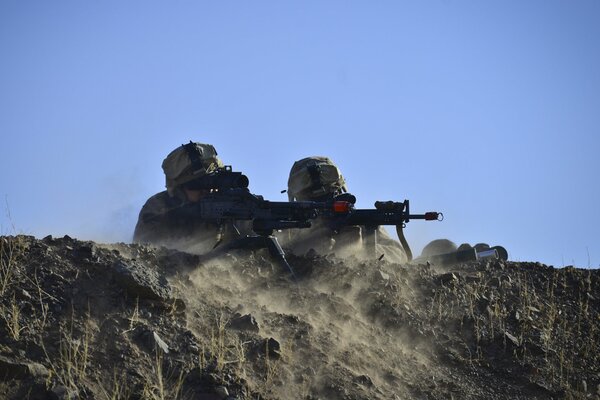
[
  {"x": 189, "y": 162},
  {"x": 314, "y": 177}
]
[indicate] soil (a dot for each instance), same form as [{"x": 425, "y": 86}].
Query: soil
[{"x": 125, "y": 321}]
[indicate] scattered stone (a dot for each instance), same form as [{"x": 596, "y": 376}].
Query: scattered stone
[
  {"x": 23, "y": 294},
  {"x": 273, "y": 347},
  {"x": 84, "y": 252},
  {"x": 60, "y": 392},
  {"x": 447, "y": 278},
  {"x": 160, "y": 343},
  {"x": 364, "y": 380},
  {"x": 222, "y": 392},
  {"x": 149, "y": 339},
  {"x": 494, "y": 282},
  {"x": 512, "y": 338},
  {"x": 383, "y": 276},
  {"x": 37, "y": 371}
]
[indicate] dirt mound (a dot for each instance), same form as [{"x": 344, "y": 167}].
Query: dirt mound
[{"x": 90, "y": 321}]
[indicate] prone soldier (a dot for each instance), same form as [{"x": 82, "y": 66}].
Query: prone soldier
[
  {"x": 319, "y": 179},
  {"x": 159, "y": 223}
]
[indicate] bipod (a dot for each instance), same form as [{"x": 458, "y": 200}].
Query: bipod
[{"x": 259, "y": 242}]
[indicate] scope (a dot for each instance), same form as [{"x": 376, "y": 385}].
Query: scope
[{"x": 222, "y": 178}]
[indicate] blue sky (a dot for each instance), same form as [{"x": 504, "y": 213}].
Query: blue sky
[{"x": 486, "y": 111}]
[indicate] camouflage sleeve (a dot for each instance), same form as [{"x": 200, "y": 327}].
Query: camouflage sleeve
[
  {"x": 150, "y": 227},
  {"x": 159, "y": 223}
]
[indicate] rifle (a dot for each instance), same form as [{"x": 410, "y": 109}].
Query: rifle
[{"x": 385, "y": 213}]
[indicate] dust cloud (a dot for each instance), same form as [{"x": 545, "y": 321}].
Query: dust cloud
[{"x": 327, "y": 321}]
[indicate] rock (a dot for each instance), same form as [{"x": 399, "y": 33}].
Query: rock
[
  {"x": 243, "y": 323},
  {"x": 447, "y": 278},
  {"x": 84, "y": 252},
  {"x": 10, "y": 369},
  {"x": 140, "y": 280},
  {"x": 177, "y": 260},
  {"x": 149, "y": 339},
  {"x": 273, "y": 347},
  {"x": 512, "y": 338},
  {"x": 494, "y": 282},
  {"x": 160, "y": 343},
  {"x": 22, "y": 294},
  {"x": 383, "y": 276},
  {"x": 364, "y": 380},
  {"x": 60, "y": 392},
  {"x": 590, "y": 296},
  {"x": 222, "y": 392},
  {"x": 37, "y": 371}
]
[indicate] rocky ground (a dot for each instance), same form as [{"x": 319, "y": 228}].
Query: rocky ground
[{"x": 90, "y": 321}]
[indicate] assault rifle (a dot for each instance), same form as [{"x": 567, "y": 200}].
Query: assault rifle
[
  {"x": 398, "y": 214},
  {"x": 385, "y": 213}
]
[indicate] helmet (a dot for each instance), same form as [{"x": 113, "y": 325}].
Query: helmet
[
  {"x": 313, "y": 178},
  {"x": 189, "y": 162},
  {"x": 438, "y": 246}
]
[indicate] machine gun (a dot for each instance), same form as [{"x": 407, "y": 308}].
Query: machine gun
[{"x": 228, "y": 200}]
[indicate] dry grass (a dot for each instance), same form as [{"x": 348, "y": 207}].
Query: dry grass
[
  {"x": 10, "y": 273},
  {"x": 10, "y": 248},
  {"x": 118, "y": 388},
  {"x": 160, "y": 387},
  {"x": 69, "y": 367},
  {"x": 12, "y": 318},
  {"x": 553, "y": 325}
]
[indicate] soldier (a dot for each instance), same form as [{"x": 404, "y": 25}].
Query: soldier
[
  {"x": 319, "y": 179},
  {"x": 160, "y": 223}
]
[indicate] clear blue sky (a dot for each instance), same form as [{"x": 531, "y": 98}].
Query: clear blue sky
[{"x": 487, "y": 111}]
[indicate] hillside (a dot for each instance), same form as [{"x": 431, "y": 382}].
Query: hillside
[{"x": 125, "y": 321}]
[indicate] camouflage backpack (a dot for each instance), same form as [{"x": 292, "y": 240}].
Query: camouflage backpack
[
  {"x": 189, "y": 162},
  {"x": 315, "y": 177}
]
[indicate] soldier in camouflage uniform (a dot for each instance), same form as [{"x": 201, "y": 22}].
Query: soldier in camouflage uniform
[
  {"x": 159, "y": 223},
  {"x": 319, "y": 179}
]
